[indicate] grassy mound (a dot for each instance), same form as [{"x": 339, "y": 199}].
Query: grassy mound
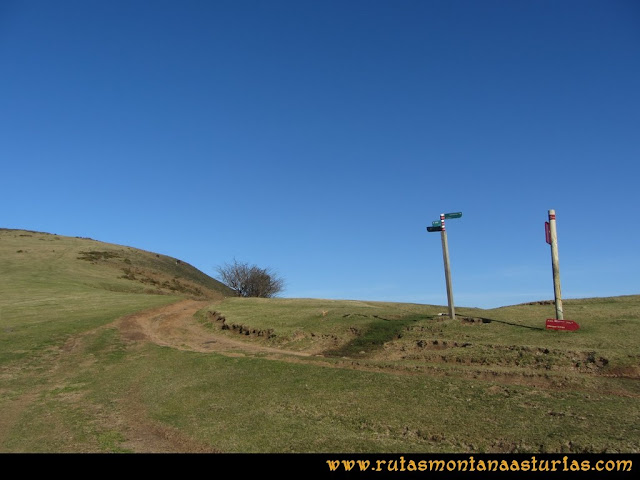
[{"x": 510, "y": 340}]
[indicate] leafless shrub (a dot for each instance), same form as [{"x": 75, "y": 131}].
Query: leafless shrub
[{"x": 250, "y": 280}]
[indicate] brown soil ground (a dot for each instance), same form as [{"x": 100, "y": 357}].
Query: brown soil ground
[{"x": 175, "y": 326}]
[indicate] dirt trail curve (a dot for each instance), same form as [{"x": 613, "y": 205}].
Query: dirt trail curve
[{"x": 175, "y": 326}]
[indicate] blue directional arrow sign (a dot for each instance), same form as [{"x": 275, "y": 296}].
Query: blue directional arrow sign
[{"x": 434, "y": 229}]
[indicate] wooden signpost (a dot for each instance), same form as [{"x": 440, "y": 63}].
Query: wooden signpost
[
  {"x": 439, "y": 226},
  {"x": 551, "y": 237}
]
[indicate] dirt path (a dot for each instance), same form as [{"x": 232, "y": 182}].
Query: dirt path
[{"x": 175, "y": 326}]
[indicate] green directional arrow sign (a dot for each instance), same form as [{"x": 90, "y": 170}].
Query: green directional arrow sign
[
  {"x": 436, "y": 223},
  {"x": 453, "y": 215}
]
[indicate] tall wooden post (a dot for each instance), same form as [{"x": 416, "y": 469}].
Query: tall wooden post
[
  {"x": 447, "y": 270},
  {"x": 555, "y": 263}
]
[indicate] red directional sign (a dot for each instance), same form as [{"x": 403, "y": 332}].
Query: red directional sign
[
  {"x": 547, "y": 232},
  {"x": 555, "y": 324}
]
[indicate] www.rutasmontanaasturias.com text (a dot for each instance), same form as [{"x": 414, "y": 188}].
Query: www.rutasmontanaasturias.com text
[{"x": 565, "y": 464}]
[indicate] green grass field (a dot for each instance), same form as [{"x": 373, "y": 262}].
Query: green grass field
[{"x": 374, "y": 377}]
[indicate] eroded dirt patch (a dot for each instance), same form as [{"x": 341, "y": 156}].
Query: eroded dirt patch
[
  {"x": 175, "y": 326},
  {"x": 219, "y": 320}
]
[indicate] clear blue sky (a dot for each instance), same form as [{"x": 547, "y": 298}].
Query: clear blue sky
[{"x": 320, "y": 138}]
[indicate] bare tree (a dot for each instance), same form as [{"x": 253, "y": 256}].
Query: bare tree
[{"x": 250, "y": 280}]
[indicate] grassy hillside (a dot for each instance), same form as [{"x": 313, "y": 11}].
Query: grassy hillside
[
  {"x": 43, "y": 259},
  {"x": 53, "y": 286},
  {"x": 294, "y": 375}
]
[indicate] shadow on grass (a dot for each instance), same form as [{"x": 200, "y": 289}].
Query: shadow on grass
[
  {"x": 489, "y": 320},
  {"x": 375, "y": 335}
]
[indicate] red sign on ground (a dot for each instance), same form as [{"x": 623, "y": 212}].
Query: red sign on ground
[{"x": 555, "y": 324}]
